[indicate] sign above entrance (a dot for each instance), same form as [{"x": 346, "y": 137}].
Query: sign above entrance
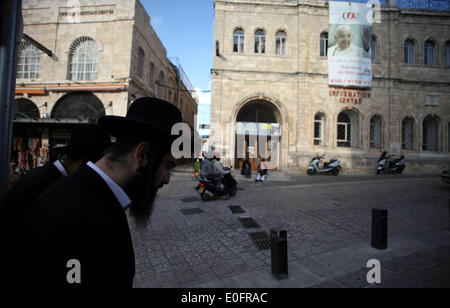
[
  {"x": 347, "y": 96},
  {"x": 261, "y": 129}
]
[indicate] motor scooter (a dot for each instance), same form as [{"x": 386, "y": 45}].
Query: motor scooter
[
  {"x": 332, "y": 167},
  {"x": 385, "y": 165},
  {"x": 212, "y": 189}
]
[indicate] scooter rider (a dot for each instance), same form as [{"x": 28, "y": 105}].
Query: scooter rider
[
  {"x": 218, "y": 168},
  {"x": 207, "y": 170}
]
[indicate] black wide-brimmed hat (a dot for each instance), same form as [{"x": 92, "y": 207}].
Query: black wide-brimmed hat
[
  {"x": 86, "y": 137},
  {"x": 147, "y": 117}
]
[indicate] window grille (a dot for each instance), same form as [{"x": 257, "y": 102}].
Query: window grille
[
  {"x": 430, "y": 134},
  {"x": 83, "y": 59},
  {"x": 407, "y": 134},
  {"x": 29, "y": 62},
  {"x": 376, "y": 132}
]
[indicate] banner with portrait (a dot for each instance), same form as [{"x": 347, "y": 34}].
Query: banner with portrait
[{"x": 349, "y": 44}]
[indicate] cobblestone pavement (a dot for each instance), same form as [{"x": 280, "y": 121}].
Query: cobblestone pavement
[{"x": 328, "y": 220}]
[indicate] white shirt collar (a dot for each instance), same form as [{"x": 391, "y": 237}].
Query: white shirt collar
[
  {"x": 60, "y": 167},
  {"x": 118, "y": 192}
]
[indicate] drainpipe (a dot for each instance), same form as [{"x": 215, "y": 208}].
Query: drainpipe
[{"x": 10, "y": 37}]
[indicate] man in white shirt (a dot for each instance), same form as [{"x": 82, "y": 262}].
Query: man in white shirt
[{"x": 344, "y": 44}]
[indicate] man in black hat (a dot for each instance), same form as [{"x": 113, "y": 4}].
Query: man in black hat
[
  {"x": 87, "y": 143},
  {"x": 77, "y": 233}
]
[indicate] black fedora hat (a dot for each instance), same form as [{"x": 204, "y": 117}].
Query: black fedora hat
[
  {"x": 87, "y": 136},
  {"x": 147, "y": 117}
]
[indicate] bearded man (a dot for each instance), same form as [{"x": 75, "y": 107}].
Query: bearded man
[{"x": 77, "y": 233}]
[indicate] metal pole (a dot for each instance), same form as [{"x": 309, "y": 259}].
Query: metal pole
[
  {"x": 10, "y": 36},
  {"x": 380, "y": 229}
]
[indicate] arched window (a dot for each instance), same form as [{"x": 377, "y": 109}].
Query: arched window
[
  {"x": 319, "y": 129},
  {"x": 280, "y": 43},
  {"x": 25, "y": 108},
  {"x": 151, "y": 76},
  {"x": 83, "y": 59},
  {"x": 447, "y": 54},
  {"x": 324, "y": 44},
  {"x": 29, "y": 62},
  {"x": 238, "y": 41},
  {"x": 348, "y": 129},
  {"x": 376, "y": 132},
  {"x": 373, "y": 48},
  {"x": 260, "y": 41},
  {"x": 140, "y": 63},
  {"x": 409, "y": 52},
  {"x": 78, "y": 105},
  {"x": 430, "y": 137},
  {"x": 408, "y": 134},
  {"x": 160, "y": 88},
  {"x": 428, "y": 53}
]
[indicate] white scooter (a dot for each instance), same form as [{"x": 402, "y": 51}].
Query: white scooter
[{"x": 332, "y": 167}]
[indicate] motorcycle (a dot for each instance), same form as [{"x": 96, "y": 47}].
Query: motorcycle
[
  {"x": 385, "y": 165},
  {"x": 212, "y": 189},
  {"x": 332, "y": 167}
]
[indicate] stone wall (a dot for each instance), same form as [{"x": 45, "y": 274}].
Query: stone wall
[{"x": 297, "y": 83}]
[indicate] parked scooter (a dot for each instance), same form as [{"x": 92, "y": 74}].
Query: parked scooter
[
  {"x": 332, "y": 167},
  {"x": 210, "y": 189},
  {"x": 385, "y": 165}
]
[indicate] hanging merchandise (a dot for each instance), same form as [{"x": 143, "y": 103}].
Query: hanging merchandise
[{"x": 43, "y": 155}]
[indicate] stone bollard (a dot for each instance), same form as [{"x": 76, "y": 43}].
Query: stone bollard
[
  {"x": 379, "y": 229},
  {"x": 278, "y": 241}
]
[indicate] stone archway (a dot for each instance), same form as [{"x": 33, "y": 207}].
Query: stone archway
[
  {"x": 25, "y": 108},
  {"x": 258, "y": 133},
  {"x": 78, "y": 105}
]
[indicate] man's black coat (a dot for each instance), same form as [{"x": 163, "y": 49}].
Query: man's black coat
[
  {"x": 78, "y": 218},
  {"x": 22, "y": 195}
]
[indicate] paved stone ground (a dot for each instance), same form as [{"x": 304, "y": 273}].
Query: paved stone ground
[{"x": 328, "y": 220}]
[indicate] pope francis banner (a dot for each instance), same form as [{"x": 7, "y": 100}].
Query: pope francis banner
[{"x": 349, "y": 41}]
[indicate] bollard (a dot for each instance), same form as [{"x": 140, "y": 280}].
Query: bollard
[
  {"x": 278, "y": 241},
  {"x": 379, "y": 229}
]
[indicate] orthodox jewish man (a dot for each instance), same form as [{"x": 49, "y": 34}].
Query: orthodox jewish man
[
  {"x": 87, "y": 143},
  {"x": 77, "y": 234}
]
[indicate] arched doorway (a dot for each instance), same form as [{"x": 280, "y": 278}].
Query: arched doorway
[
  {"x": 78, "y": 105},
  {"x": 258, "y": 134},
  {"x": 24, "y": 108}
]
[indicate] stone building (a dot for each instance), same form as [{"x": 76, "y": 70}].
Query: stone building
[
  {"x": 79, "y": 63},
  {"x": 270, "y": 66}
]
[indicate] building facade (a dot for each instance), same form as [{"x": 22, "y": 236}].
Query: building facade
[
  {"x": 79, "y": 63},
  {"x": 270, "y": 68}
]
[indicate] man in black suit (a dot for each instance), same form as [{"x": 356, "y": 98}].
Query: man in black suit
[
  {"x": 87, "y": 143},
  {"x": 77, "y": 234}
]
